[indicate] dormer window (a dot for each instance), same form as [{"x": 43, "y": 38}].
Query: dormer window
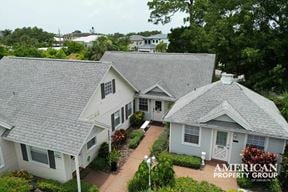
[{"x": 108, "y": 88}]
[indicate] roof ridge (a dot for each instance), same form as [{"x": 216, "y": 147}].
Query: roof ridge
[
  {"x": 263, "y": 108},
  {"x": 52, "y": 59},
  {"x": 158, "y": 53},
  {"x": 196, "y": 93}
]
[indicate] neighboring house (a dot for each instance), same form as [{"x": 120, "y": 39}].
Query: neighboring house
[
  {"x": 49, "y": 111},
  {"x": 86, "y": 40},
  {"x": 136, "y": 41},
  {"x": 58, "y": 41},
  {"x": 151, "y": 42},
  {"x": 162, "y": 78},
  {"x": 222, "y": 118}
]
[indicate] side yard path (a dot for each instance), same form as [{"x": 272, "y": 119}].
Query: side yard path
[{"x": 118, "y": 182}]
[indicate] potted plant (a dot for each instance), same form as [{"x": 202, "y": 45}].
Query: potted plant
[{"x": 113, "y": 159}]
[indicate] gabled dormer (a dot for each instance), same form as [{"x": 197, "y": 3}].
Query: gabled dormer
[{"x": 225, "y": 112}]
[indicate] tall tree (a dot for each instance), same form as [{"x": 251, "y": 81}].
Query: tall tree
[
  {"x": 163, "y": 10},
  {"x": 249, "y": 37}
]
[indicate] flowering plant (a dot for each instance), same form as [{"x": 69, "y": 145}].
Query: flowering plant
[{"x": 119, "y": 137}]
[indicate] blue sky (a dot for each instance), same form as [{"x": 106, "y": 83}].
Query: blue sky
[{"x": 107, "y": 16}]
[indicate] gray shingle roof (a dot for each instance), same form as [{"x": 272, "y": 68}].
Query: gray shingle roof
[
  {"x": 44, "y": 99},
  {"x": 157, "y": 36},
  {"x": 261, "y": 114},
  {"x": 181, "y": 73}
]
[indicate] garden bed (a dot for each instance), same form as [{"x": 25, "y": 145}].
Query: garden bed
[{"x": 125, "y": 147}]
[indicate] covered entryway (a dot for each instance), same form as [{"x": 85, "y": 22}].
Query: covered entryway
[
  {"x": 221, "y": 145},
  {"x": 157, "y": 110}
]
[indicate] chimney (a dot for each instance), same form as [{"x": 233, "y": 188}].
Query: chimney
[{"x": 227, "y": 78}]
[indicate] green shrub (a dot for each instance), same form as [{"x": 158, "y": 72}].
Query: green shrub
[
  {"x": 14, "y": 184},
  {"x": 183, "y": 160},
  {"x": 274, "y": 186},
  {"x": 136, "y": 133},
  {"x": 103, "y": 150},
  {"x": 99, "y": 163},
  {"x": 162, "y": 174},
  {"x": 71, "y": 186},
  {"x": 161, "y": 144},
  {"x": 50, "y": 186},
  {"x": 187, "y": 184},
  {"x": 137, "y": 118},
  {"x": 140, "y": 180},
  {"x": 244, "y": 182},
  {"x": 136, "y": 136}
]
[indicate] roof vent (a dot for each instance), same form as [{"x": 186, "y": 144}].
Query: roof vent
[{"x": 227, "y": 78}]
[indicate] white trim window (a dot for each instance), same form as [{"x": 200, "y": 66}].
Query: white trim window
[
  {"x": 39, "y": 155},
  {"x": 191, "y": 135},
  {"x": 117, "y": 118},
  {"x": 143, "y": 104},
  {"x": 91, "y": 143},
  {"x": 129, "y": 109},
  {"x": 108, "y": 88},
  {"x": 257, "y": 141}
]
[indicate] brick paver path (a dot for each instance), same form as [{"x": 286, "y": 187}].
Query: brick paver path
[
  {"x": 207, "y": 174},
  {"x": 118, "y": 182}
]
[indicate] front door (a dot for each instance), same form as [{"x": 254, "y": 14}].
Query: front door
[
  {"x": 221, "y": 146},
  {"x": 158, "y": 110}
]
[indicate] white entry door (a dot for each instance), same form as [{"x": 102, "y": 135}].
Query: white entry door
[
  {"x": 158, "y": 110},
  {"x": 221, "y": 146}
]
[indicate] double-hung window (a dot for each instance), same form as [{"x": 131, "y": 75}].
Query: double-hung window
[
  {"x": 191, "y": 135},
  {"x": 108, "y": 88},
  {"x": 39, "y": 155},
  {"x": 143, "y": 104},
  {"x": 257, "y": 141},
  {"x": 91, "y": 143},
  {"x": 116, "y": 118}
]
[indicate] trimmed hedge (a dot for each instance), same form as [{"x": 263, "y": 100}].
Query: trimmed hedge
[
  {"x": 183, "y": 160},
  {"x": 161, "y": 144},
  {"x": 135, "y": 138},
  {"x": 185, "y": 184},
  {"x": 21, "y": 181}
]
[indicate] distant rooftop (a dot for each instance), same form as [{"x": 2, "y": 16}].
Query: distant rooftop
[{"x": 157, "y": 36}]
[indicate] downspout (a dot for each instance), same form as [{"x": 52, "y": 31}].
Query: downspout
[{"x": 78, "y": 173}]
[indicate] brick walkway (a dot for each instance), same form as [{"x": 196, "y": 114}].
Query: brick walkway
[
  {"x": 206, "y": 175},
  {"x": 118, "y": 182}
]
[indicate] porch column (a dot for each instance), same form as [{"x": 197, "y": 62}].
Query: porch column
[{"x": 78, "y": 173}]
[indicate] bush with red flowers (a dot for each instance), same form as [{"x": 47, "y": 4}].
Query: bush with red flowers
[
  {"x": 119, "y": 137},
  {"x": 252, "y": 155}
]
